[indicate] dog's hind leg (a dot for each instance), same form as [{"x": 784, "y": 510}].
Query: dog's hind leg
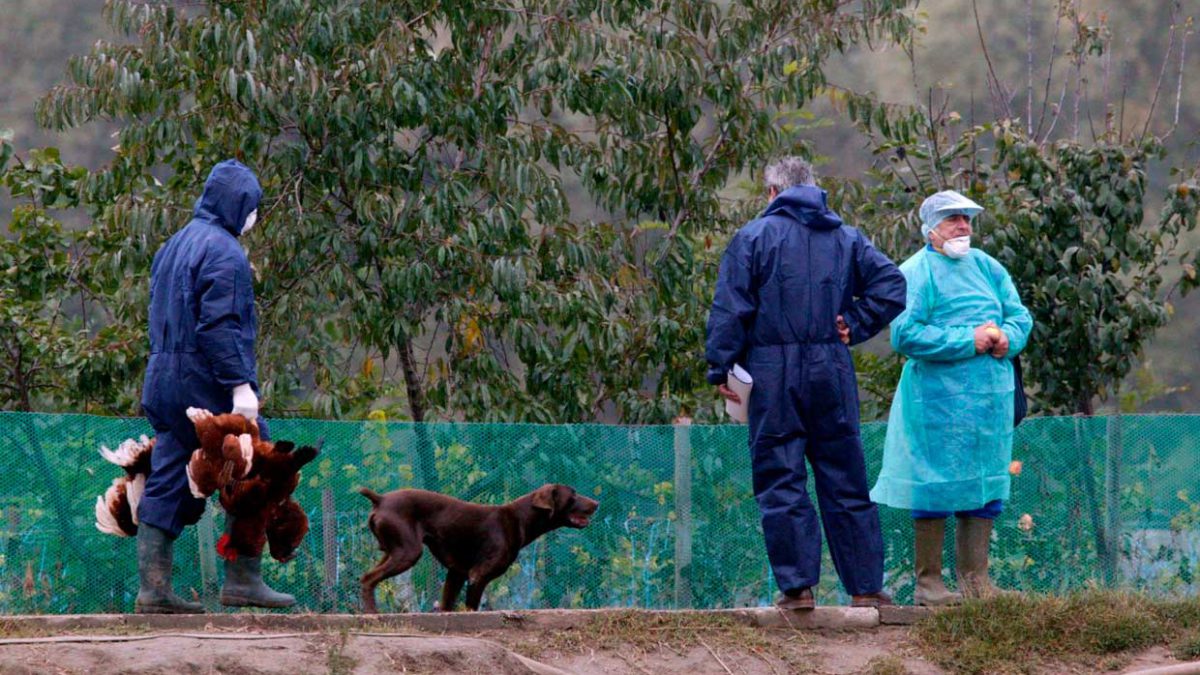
[
  {"x": 397, "y": 560},
  {"x": 451, "y": 589}
]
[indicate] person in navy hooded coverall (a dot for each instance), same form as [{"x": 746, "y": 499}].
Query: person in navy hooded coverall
[
  {"x": 202, "y": 333},
  {"x": 795, "y": 287}
]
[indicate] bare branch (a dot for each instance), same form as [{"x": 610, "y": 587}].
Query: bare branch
[
  {"x": 1078, "y": 18},
  {"x": 1000, "y": 96},
  {"x": 1108, "y": 115},
  {"x": 1046, "y": 90},
  {"x": 1029, "y": 68},
  {"x": 1088, "y": 109},
  {"x": 1163, "y": 69},
  {"x": 1121, "y": 118},
  {"x": 934, "y": 174},
  {"x": 1179, "y": 85}
]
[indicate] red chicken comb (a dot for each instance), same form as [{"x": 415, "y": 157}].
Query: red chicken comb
[{"x": 224, "y": 550}]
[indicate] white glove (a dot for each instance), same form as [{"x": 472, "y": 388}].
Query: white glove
[{"x": 245, "y": 402}]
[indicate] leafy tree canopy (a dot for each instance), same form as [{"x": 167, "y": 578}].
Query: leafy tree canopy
[{"x": 414, "y": 158}]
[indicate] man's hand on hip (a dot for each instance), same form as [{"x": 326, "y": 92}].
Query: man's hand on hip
[{"x": 843, "y": 330}]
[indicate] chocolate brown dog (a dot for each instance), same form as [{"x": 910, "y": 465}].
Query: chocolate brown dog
[{"x": 474, "y": 542}]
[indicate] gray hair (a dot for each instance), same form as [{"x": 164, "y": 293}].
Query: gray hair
[{"x": 787, "y": 172}]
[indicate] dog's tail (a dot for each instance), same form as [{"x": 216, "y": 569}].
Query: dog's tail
[{"x": 370, "y": 494}]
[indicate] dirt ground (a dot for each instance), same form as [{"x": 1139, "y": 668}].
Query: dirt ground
[{"x": 881, "y": 651}]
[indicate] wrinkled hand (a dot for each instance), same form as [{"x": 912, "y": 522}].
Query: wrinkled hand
[
  {"x": 1000, "y": 341},
  {"x": 843, "y": 330},
  {"x": 245, "y": 401},
  {"x": 985, "y": 338},
  {"x": 729, "y": 394}
]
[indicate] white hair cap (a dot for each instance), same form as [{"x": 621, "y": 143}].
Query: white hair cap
[{"x": 939, "y": 206}]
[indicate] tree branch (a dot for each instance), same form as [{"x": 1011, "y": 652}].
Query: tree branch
[{"x": 1163, "y": 69}]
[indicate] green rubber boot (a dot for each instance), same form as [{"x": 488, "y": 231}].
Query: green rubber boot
[
  {"x": 244, "y": 586},
  {"x": 154, "y": 556},
  {"x": 931, "y": 591},
  {"x": 972, "y": 539}
]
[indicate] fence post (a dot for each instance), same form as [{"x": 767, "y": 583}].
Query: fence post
[
  {"x": 206, "y": 541},
  {"x": 329, "y": 546},
  {"x": 683, "y": 512},
  {"x": 1112, "y": 496}
]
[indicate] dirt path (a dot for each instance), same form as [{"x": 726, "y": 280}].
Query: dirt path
[
  {"x": 603, "y": 645},
  {"x": 498, "y": 653}
]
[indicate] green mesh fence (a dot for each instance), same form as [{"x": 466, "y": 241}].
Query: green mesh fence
[{"x": 1108, "y": 502}]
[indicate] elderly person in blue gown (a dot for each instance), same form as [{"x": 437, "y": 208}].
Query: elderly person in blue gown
[{"x": 949, "y": 435}]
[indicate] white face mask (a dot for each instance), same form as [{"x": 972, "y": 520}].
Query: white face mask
[
  {"x": 250, "y": 220},
  {"x": 957, "y": 247}
]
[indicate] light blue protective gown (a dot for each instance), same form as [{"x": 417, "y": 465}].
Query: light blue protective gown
[{"x": 949, "y": 435}]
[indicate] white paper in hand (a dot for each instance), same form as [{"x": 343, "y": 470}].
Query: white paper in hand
[{"x": 741, "y": 383}]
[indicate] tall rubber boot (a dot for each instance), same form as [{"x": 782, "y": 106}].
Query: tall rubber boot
[
  {"x": 244, "y": 586},
  {"x": 973, "y": 537},
  {"x": 931, "y": 591},
  {"x": 154, "y": 557}
]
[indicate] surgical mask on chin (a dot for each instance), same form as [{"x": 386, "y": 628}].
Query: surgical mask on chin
[
  {"x": 250, "y": 220},
  {"x": 957, "y": 247}
]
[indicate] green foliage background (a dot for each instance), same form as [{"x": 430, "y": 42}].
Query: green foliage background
[{"x": 546, "y": 252}]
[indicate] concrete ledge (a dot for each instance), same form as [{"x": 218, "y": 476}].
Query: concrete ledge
[
  {"x": 821, "y": 618},
  {"x": 903, "y": 615}
]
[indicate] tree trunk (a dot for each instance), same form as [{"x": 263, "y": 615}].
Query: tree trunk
[
  {"x": 426, "y": 462},
  {"x": 1099, "y": 533},
  {"x": 412, "y": 381},
  {"x": 1103, "y": 511},
  {"x": 427, "y": 469},
  {"x": 62, "y": 514}
]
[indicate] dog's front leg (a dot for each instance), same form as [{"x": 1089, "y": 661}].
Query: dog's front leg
[
  {"x": 451, "y": 589},
  {"x": 475, "y": 590}
]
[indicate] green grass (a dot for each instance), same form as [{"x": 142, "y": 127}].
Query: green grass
[
  {"x": 1187, "y": 647},
  {"x": 1021, "y": 633},
  {"x": 640, "y": 632},
  {"x": 886, "y": 665}
]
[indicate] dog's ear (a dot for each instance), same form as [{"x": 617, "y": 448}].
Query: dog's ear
[
  {"x": 544, "y": 497},
  {"x": 284, "y": 446}
]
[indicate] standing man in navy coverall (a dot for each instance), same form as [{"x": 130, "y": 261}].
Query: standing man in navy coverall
[
  {"x": 202, "y": 333},
  {"x": 795, "y": 287}
]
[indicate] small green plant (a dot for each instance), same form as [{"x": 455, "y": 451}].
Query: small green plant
[{"x": 337, "y": 661}]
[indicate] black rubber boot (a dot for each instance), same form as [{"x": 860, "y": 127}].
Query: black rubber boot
[
  {"x": 244, "y": 586},
  {"x": 154, "y": 575}
]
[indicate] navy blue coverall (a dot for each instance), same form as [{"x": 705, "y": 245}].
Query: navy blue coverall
[
  {"x": 783, "y": 280},
  {"x": 202, "y": 333}
]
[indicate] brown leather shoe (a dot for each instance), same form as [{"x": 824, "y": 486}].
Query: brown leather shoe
[
  {"x": 879, "y": 599},
  {"x": 802, "y": 599}
]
